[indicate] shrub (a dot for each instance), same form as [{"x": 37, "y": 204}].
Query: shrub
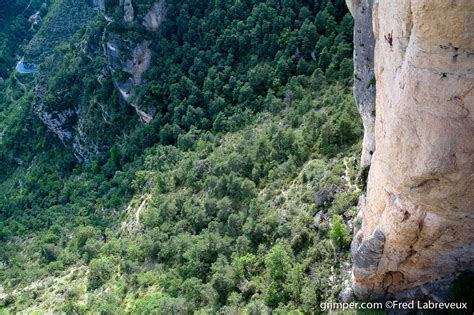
[
  {"x": 100, "y": 270},
  {"x": 49, "y": 252},
  {"x": 343, "y": 201},
  {"x": 158, "y": 304},
  {"x": 338, "y": 232}
]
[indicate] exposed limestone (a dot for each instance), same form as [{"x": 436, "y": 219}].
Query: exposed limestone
[
  {"x": 139, "y": 63},
  {"x": 155, "y": 16},
  {"x": 364, "y": 77},
  {"x": 133, "y": 213},
  {"x": 144, "y": 117},
  {"x": 83, "y": 147},
  {"x": 34, "y": 18},
  {"x": 55, "y": 121},
  {"x": 325, "y": 194},
  {"x": 125, "y": 57},
  {"x": 133, "y": 60},
  {"x": 421, "y": 182},
  {"x": 129, "y": 13},
  {"x": 368, "y": 254}
]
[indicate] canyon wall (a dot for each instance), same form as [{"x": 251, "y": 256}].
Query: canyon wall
[
  {"x": 364, "y": 78},
  {"x": 418, "y": 215}
]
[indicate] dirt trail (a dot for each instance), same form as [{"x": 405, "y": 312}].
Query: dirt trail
[
  {"x": 347, "y": 177},
  {"x": 134, "y": 222}
]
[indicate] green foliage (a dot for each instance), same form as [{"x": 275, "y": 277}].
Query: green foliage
[
  {"x": 160, "y": 304},
  {"x": 49, "y": 252},
  {"x": 343, "y": 202},
  {"x": 278, "y": 263},
  {"x": 100, "y": 270},
  {"x": 339, "y": 232},
  {"x": 210, "y": 206}
]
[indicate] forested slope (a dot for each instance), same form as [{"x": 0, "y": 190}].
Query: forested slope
[{"x": 237, "y": 195}]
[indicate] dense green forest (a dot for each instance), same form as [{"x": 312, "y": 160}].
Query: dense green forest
[{"x": 238, "y": 197}]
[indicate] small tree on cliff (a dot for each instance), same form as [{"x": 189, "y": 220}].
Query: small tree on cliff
[{"x": 339, "y": 232}]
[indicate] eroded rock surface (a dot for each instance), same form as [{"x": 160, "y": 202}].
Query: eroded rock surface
[
  {"x": 155, "y": 16},
  {"x": 129, "y": 13},
  {"x": 128, "y": 60},
  {"x": 57, "y": 121},
  {"x": 364, "y": 78},
  {"x": 420, "y": 191},
  {"x": 132, "y": 59}
]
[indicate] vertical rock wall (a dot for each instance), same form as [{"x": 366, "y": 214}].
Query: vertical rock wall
[
  {"x": 417, "y": 222},
  {"x": 364, "y": 78},
  {"x": 129, "y": 13}
]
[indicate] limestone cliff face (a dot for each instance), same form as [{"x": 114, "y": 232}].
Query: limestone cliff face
[
  {"x": 131, "y": 58},
  {"x": 155, "y": 16},
  {"x": 417, "y": 220},
  {"x": 364, "y": 79},
  {"x": 129, "y": 12}
]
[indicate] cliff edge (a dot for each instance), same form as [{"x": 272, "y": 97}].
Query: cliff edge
[{"x": 417, "y": 217}]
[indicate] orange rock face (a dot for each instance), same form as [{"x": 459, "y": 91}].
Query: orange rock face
[{"x": 418, "y": 216}]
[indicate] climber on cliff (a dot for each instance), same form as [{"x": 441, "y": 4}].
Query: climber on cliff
[{"x": 389, "y": 38}]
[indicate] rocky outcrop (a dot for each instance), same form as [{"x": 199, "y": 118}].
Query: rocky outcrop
[
  {"x": 84, "y": 148},
  {"x": 67, "y": 124},
  {"x": 155, "y": 16},
  {"x": 364, "y": 77},
  {"x": 367, "y": 256},
  {"x": 56, "y": 121},
  {"x": 34, "y": 18},
  {"x": 127, "y": 62},
  {"x": 129, "y": 13},
  {"x": 420, "y": 193}
]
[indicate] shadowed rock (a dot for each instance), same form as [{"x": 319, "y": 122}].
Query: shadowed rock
[{"x": 367, "y": 255}]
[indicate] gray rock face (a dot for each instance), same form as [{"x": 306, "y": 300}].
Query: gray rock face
[
  {"x": 346, "y": 295},
  {"x": 367, "y": 255},
  {"x": 366, "y": 259},
  {"x": 439, "y": 291},
  {"x": 128, "y": 58},
  {"x": 128, "y": 61},
  {"x": 67, "y": 124},
  {"x": 133, "y": 60},
  {"x": 83, "y": 147},
  {"x": 129, "y": 13},
  {"x": 319, "y": 218},
  {"x": 153, "y": 19},
  {"x": 325, "y": 194},
  {"x": 55, "y": 121},
  {"x": 364, "y": 77}
]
